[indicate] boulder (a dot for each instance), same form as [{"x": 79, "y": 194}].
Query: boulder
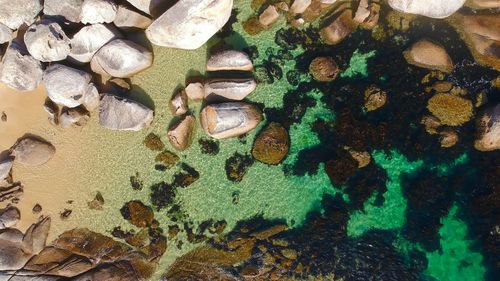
[
  {"x": 189, "y": 23},
  {"x": 71, "y": 10},
  {"x": 91, "y": 99},
  {"x": 179, "y": 103},
  {"x": 299, "y": 6},
  {"x": 181, "y": 134},
  {"x": 121, "y": 58},
  {"x": 86, "y": 42},
  {"x": 33, "y": 151},
  {"x": 137, "y": 213},
  {"x": 367, "y": 13},
  {"x": 5, "y": 167},
  {"x": 324, "y": 69},
  {"x": 5, "y": 33},
  {"x": 67, "y": 86},
  {"x": 47, "y": 42},
  {"x": 271, "y": 145},
  {"x": 427, "y": 54},
  {"x": 98, "y": 11},
  {"x": 122, "y": 114},
  {"x": 375, "y": 98},
  {"x": 9, "y": 217},
  {"x": 15, "y": 14},
  {"x": 151, "y": 7},
  {"x": 269, "y": 16},
  {"x": 195, "y": 91},
  {"x": 19, "y": 70},
  {"x": 230, "y": 119},
  {"x": 339, "y": 28},
  {"x": 77, "y": 117},
  {"x": 488, "y": 130},
  {"x": 229, "y": 60},
  {"x": 127, "y": 18},
  {"x": 448, "y": 138},
  {"x": 430, "y": 8},
  {"x": 228, "y": 89},
  {"x": 483, "y": 4}
]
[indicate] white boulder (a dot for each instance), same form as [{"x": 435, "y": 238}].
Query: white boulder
[
  {"x": 430, "y": 8},
  {"x": 98, "y": 11},
  {"x": 117, "y": 113},
  {"x": 19, "y": 70},
  {"x": 5, "y": 33},
  {"x": 47, "y": 42},
  {"x": 16, "y": 13},
  {"x": 86, "y": 42},
  {"x": 229, "y": 60},
  {"x": 71, "y": 10},
  {"x": 229, "y": 89},
  {"x": 230, "y": 119}
]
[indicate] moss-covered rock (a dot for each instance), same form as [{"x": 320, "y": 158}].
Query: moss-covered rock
[
  {"x": 324, "y": 69},
  {"x": 137, "y": 213},
  {"x": 153, "y": 142},
  {"x": 272, "y": 144},
  {"x": 450, "y": 109},
  {"x": 168, "y": 158}
]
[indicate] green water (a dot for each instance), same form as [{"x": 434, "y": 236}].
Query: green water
[{"x": 358, "y": 65}]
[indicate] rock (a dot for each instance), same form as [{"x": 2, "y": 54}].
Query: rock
[
  {"x": 488, "y": 130},
  {"x": 230, "y": 119},
  {"x": 9, "y": 217},
  {"x": 52, "y": 110},
  {"x": 299, "y": 6},
  {"x": 15, "y": 14},
  {"x": 150, "y": 7},
  {"x": 290, "y": 254},
  {"x": 271, "y": 145},
  {"x": 362, "y": 157},
  {"x": 431, "y": 124},
  {"x": 339, "y": 29},
  {"x": 5, "y": 33},
  {"x": 427, "y": 54},
  {"x": 448, "y": 138},
  {"x": 153, "y": 142},
  {"x": 430, "y": 8},
  {"x": 209, "y": 146},
  {"x": 168, "y": 158},
  {"x": 324, "y": 69},
  {"x": 98, "y": 11},
  {"x": 181, "y": 134},
  {"x": 86, "y": 42},
  {"x": 229, "y": 60},
  {"x": 77, "y": 117},
  {"x": 483, "y": 4},
  {"x": 269, "y": 16},
  {"x": 121, "y": 58},
  {"x": 71, "y": 10},
  {"x": 19, "y": 70},
  {"x": 5, "y": 167},
  {"x": 127, "y": 18},
  {"x": 137, "y": 213},
  {"x": 118, "y": 113},
  {"x": 37, "y": 209},
  {"x": 375, "y": 98},
  {"x": 67, "y": 86},
  {"x": 47, "y": 42},
  {"x": 179, "y": 103},
  {"x": 189, "y": 23},
  {"x": 33, "y": 151},
  {"x": 229, "y": 89},
  {"x": 195, "y": 91},
  {"x": 450, "y": 109},
  {"x": 237, "y": 166},
  {"x": 482, "y": 35},
  {"x": 91, "y": 99},
  {"x": 367, "y": 14}
]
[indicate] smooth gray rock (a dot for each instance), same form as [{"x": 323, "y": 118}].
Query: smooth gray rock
[
  {"x": 189, "y": 23},
  {"x": 86, "y": 42},
  {"x": 229, "y": 89},
  {"x": 181, "y": 134},
  {"x": 117, "y": 113},
  {"x": 127, "y": 18},
  {"x": 5, "y": 33},
  {"x": 9, "y": 217},
  {"x": 47, "y": 42},
  {"x": 76, "y": 117},
  {"x": 229, "y": 60},
  {"x": 33, "y": 151},
  {"x": 121, "y": 58},
  {"x": 195, "y": 91},
  {"x": 66, "y": 85},
  {"x": 19, "y": 70},
  {"x": 71, "y": 10},
  {"x": 230, "y": 119},
  {"x": 5, "y": 167},
  {"x": 429, "y": 8},
  {"x": 98, "y": 11},
  {"x": 16, "y": 13}
]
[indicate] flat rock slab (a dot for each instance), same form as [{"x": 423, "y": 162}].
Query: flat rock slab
[
  {"x": 229, "y": 60},
  {"x": 230, "y": 119},
  {"x": 47, "y": 42},
  {"x": 428, "y": 54},
  {"x": 19, "y": 70},
  {"x": 33, "y": 151},
  {"x": 229, "y": 89},
  {"x": 86, "y": 42},
  {"x": 122, "y": 114},
  {"x": 16, "y": 13}
]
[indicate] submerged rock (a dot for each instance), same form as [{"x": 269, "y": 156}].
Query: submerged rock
[
  {"x": 153, "y": 142},
  {"x": 67, "y": 86},
  {"x": 271, "y": 145},
  {"x": 33, "y": 151},
  {"x": 427, "y": 54},
  {"x": 237, "y": 166},
  {"x": 9, "y": 217},
  {"x": 269, "y": 16},
  {"x": 77, "y": 117},
  {"x": 181, "y": 134},
  {"x": 19, "y": 70},
  {"x": 367, "y": 13},
  {"x": 189, "y": 23},
  {"x": 488, "y": 130},
  {"x": 339, "y": 29},
  {"x": 448, "y": 138},
  {"x": 429, "y": 8},
  {"x": 98, "y": 11},
  {"x": 324, "y": 69},
  {"x": 118, "y": 113},
  {"x": 179, "y": 103},
  {"x": 127, "y": 18},
  {"x": 121, "y": 58},
  {"x": 71, "y": 10},
  {"x": 86, "y": 42},
  {"x": 229, "y": 60},
  {"x": 450, "y": 109},
  {"x": 15, "y": 14},
  {"x": 229, "y": 119},
  {"x": 137, "y": 213},
  {"x": 375, "y": 98},
  {"x": 47, "y": 42},
  {"x": 483, "y": 4},
  {"x": 168, "y": 158},
  {"x": 6, "y": 33},
  {"x": 229, "y": 89},
  {"x": 195, "y": 91}
]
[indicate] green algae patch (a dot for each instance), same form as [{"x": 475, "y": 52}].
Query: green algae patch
[
  {"x": 456, "y": 260},
  {"x": 358, "y": 65},
  {"x": 391, "y": 215},
  {"x": 445, "y": 168}
]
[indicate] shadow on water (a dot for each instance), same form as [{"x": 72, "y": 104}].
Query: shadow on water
[{"x": 139, "y": 95}]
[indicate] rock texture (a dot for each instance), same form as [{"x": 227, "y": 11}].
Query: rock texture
[
  {"x": 189, "y": 23},
  {"x": 367, "y": 13},
  {"x": 118, "y": 113},
  {"x": 5, "y": 33},
  {"x": 231, "y": 119},
  {"x": 151, "y": 7},
  {"x": 77, "y": 117},
  {"x": 229, "y": 89},
  {"x": 5, "y": 167},
  {"x": 181, "y": 134},
  {"x": 429, "y": 8},
  {"x": 450, "y": 109},
  {"x": 67, "y": 86},
  {"x": 195, "y": 91},
  {"x": 71, "y": 10},
  {"x": 271, "y": 145},
  {"x": 86, "y": 42},
  {"x": 47, "y": 42},
  {"x": 14, "y": 14},
  {"x": 324, "y": 69},
  {"x": 488, "y": 130},
  {"x": 9, "y": 217},
  {"x": 179, "y": 103},
  {"x": 19, "y": 70},
  {"x": 98, "y": 11},
  {"x": 121, "y": 58},
  {"x": 229, "y": 60},
  {"x": 427, "y": 54},
  {"x": 33, "y": 151},
  {"x": 127, "y": 18},
  {"x": 339, "y": 29}
]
